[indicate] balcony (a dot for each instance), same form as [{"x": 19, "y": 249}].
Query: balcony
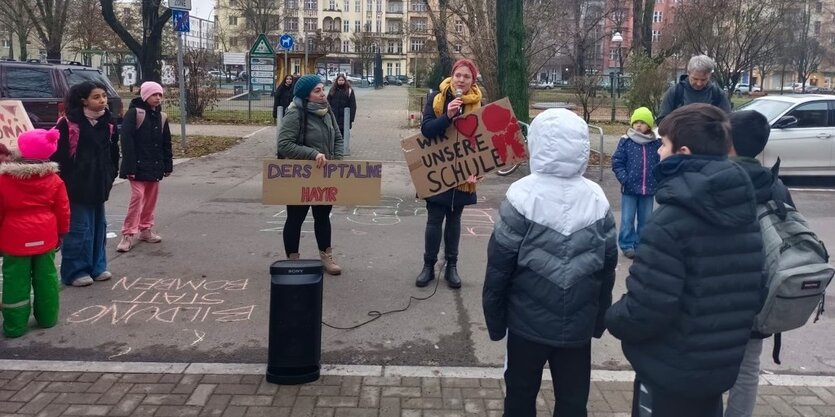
[
  {"x": 291, "y": 11},
  {"x": 311, "y": 13}
]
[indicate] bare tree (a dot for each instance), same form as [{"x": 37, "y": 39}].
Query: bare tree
[
  {"x": 806, "y": 50},
  {"x": 49, "y": 20},
  {"x": 737, "y": 39},
  {"x": 365, "y": 43},
  {"x": 642, "y": 11},
  {"x": 259, "y": 16},
  {"x": 440, "y": 19},
  {"x": 149, "y": 51},
  {"x": 586, "y": 88},
  {"x": 88, "y": 34},
  {"x": 18, "y": 23}
]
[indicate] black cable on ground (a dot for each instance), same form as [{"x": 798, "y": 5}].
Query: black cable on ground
[{"x": 376, "y": 314}]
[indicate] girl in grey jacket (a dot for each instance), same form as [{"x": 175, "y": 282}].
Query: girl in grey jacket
[{"x": 551, "y": 268}]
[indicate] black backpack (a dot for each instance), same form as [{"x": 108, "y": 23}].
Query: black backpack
[
  {"x": 716, "y": 95},
  {"x": 302, "y": 136}
]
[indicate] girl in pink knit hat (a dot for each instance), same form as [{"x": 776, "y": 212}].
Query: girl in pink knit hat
[{"x": 146, "y": 160}]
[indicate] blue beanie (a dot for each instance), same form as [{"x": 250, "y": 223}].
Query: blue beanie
[{"x": 305, "y": 85}]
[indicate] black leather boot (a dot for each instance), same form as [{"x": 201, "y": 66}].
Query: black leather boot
[
  {"x": 451, "y": 276},
  {"x": 426, "y": 276}
]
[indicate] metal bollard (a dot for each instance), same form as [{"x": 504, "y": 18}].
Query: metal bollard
[
  {"x": 278, "y": 116},
  {"x": 346, "y": 120}
]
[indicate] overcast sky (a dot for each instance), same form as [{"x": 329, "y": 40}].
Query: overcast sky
[{"x": 202, "y": 8}]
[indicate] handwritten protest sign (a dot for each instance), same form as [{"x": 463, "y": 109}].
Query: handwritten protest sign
[
  {"x": 339, "y": 183},
  {"x": 13, "y": 122},
  {"x": 475, "y": 144}
]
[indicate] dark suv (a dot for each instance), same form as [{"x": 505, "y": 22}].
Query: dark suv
[{"x": 42, "y": 88}]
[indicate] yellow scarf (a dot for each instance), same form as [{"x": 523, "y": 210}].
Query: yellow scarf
[{"x": 472, "y": 101}]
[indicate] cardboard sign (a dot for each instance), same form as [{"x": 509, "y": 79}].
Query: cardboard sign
[
  {"x": 13, "y": 122},
  {"x": 339, "y": 183},
  {"x": 475, "y": 144}
]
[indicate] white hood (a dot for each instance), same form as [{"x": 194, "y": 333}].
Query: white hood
[{"x": 555, "y": 194}]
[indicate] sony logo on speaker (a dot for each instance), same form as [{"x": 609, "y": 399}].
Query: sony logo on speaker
[{"x": 295, "y": 271}]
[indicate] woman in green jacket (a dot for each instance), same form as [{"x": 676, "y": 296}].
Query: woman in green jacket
[{"x": 309, "y": 131}]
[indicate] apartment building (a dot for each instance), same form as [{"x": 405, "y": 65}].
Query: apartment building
[{"x": 339, "y": 35}]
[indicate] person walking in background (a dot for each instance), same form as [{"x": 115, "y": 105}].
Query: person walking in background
[
  {"x": 441, "y": 108},
  {"x": 88, "y": 157},
  {"x": 34, "y": 216},
  {"x": 283, "y": 96},
  {"x": 632, "y": 163},
  {"x": 550, "y": 269},
  {"x": 694, "y": 87},
  {"x": 342, "y": 97},
  {"x": 309, "y": 131},
  {"x": 146, "y": 159},
  {"x": 694, "y": 288},
  {"x": 749, "y": 133}
]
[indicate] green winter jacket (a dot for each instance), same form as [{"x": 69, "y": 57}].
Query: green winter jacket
[{"x": 322, "y": 136}]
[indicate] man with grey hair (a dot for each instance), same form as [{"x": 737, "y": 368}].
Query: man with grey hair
[{"x": 695, "y": 87}]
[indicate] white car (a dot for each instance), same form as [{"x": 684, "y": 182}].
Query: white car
[
  {"x": 542, "y": 85},
  {"x": 743, "y": 88},
  {"x": 353, "y": 78},
  {"x": 802, "y": 132}
]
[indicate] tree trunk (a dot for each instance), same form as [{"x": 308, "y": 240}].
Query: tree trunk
[
  {"x": 150, "y": 57},
  {"x": 149, "y": 51},
  {"x": 512, "y": 68},
  {"x": 646, "y": 27},
  {"x": 21, "y": 41},
  {"x": 444, "y": 59}
]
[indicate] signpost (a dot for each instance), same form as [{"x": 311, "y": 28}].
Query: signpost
[
  {"x": 262, "y": 57},
  {"x": 181, "y": 25},
  {"x": 286, "y": 41}
]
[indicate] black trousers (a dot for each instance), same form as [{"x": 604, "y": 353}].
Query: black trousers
[
  {"x": 436, "y": 213},
  {"x": 570, "y": 372},
  {"x": 650, "y": 401},
  {"x": 293, "y": 227}
]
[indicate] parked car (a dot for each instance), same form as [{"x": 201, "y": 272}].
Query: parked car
[
  {"x": 218, "y": 75},
  {"x": 744, "y": 88},
  {"x": 42, "y": 88},
  {"x": 802, "y": 132},
  {"x": 542, "y": 85},
  {"x": 405, "y": 79},
  {"x": 391, "y": 80},
  {"x": 354, "y": 78}
]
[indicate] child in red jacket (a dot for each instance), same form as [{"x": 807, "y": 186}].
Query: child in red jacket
[{"x": 34, "y": 214}]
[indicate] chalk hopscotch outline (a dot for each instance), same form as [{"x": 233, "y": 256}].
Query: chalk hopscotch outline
[{"x": 381, "y": 214}]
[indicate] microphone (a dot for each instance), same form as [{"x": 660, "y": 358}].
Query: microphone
[{"x": 458, "y": 94}]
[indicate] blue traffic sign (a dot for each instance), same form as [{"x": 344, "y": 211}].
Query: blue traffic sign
[
  {"x": 181, "y": 20},
  {"x": 286, "y": 41}
]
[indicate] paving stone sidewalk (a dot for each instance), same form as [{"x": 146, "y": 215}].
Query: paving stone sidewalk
[{"x": 27, "y": 393}]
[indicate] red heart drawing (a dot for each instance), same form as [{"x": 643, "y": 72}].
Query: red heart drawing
[
  {"x": 466, "y": 125},
  {"x": 496, "y": 118}
]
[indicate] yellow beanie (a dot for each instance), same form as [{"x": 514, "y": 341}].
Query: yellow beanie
[{"x": 642, "y": 114}]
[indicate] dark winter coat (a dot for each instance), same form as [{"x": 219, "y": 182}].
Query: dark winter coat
[
  {"x": 283, "y": 98},
  {"x": 341, "y": 99},
  {"x": 694, "y": 287},
  {"x": 146, "y": 150},
  {"x": 633, "y": 163},
  {"x": 552, "y": 256},
  {"x": 433, "y": 127},
  {"x": 767, "y": 187},
  {"x": 88, "y": 174},
  {"x": 322, "y": 136},
  {"x": 683, "y": 94}
]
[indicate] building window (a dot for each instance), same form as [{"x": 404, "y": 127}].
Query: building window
[
  {"x": 419, "y": 5},
  {"x": 346, "y": 26},
  {"x": 310, "y": 5},
  {"x": 370, "y": 6},
  {"x": 818, "y": 7},
  {"x": 233, "y": 41},
  {"x": 291, "y": 24},
  {"x": 233, "y": 20},
  {"x": 417, "y": 45},
  {"x": 291, "y": 4},
  {"x": 379, "y": 6},
  {"x": 458, "y": 48},
  {"x": 357, "y": 26},
  {"x": 613, "y": 54},
  {"x": 389, "y": 68},
  {"x": 357, "y": 6},
  {"x": 332, "y": 5},
  {"x": 346, "y": 46},
  {"x": 393, "y": 27},
  {"x": 397, "y": 68},
  {"x": 310, "y": 24},
  {"x": 347, "y": 5},
  {"x": 459, "y": 26},
  {"x": 656, "y": 35},
  {"x": 379, "y": 26},
  {"x": 390, "y": 48},
  {"x": 817, "y": 28},
  {"x": 657, "y": 16},
  {"x": 418, "y": 24}
]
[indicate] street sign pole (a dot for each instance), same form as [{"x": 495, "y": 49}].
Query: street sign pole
[
  {"x": 286, "y": 67},
  {"x": 249, "y": 91},
  {"x": 182, "y": 76}
]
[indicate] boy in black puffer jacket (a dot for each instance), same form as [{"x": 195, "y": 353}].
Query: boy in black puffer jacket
[{"x": 694, "y": 288}]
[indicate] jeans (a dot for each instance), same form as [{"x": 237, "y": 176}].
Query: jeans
[
  {"x": 570, "y": 372},
  {"x": 650, "y": 401},
  {"x": 293, "y": 227},
  {"x": 22, "y": 274},
  {"x": 143, "y": 201},
  {"x": 436, "y": 213},
  {"x": 633, "y": 206},
  {"x": 743, "y": 395},
  {"x": 83, "y": 252}
]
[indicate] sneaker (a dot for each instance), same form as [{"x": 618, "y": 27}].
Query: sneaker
[
  {"x": 125, "y": 244},
  {"x": 82, "y": 282},
  {"x": 293, "y": 256},
  {"x": 104, "y": 276},
  {"x": 149, "y": 236}
]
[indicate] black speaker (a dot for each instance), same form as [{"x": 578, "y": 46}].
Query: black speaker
[{"x": 295, "y": 345}]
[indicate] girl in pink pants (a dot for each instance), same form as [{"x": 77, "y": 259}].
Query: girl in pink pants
[{"x": 146, "y": 160}]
